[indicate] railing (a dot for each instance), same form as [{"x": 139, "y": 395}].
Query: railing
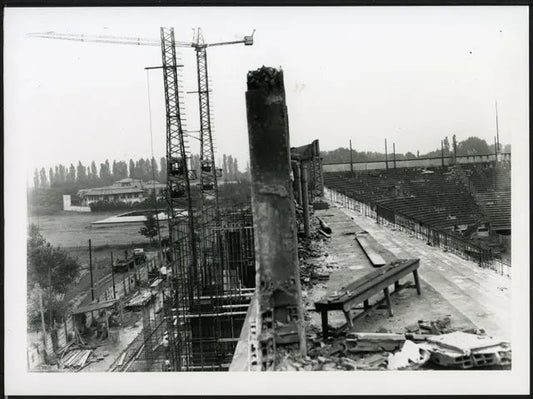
[
  {"x": 440, "y": 238},
  {"x": 502, "y": 267},
  {"x": 504, "y": 159}
]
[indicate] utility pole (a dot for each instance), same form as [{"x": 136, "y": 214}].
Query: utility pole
[
  {"x": 442, "y": 152},
  {"x": 91, "y": 270},
  {"x": 386, "y": 157},
  {"x": 50, "y": 294},
  {"x": 394, "y": 154},
  {"x": 113, "y": 276},
  {"x": 497, "y": 133},
  {"x": 351, "y": 158},
  {"x": 41, "y": 308},
  {"x": 454, "y": 149}
]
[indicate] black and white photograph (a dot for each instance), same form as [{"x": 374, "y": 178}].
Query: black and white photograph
[{"x": 334, "y": 198}]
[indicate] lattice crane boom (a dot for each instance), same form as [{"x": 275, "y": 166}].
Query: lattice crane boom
[
  {"x": 81, "y": 37},
  {"x": 208, "y": 171}
]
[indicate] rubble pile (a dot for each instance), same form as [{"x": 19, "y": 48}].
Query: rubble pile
[
  {"x": 430, "y": 344},
  {"x": 312, "y": 255}
]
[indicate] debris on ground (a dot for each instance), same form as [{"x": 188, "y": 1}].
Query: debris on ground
[
  {"x": 324, "y": 226},
  {"x": 463, "y": 350},
  {"x": 374, "y": 342},
  {"x": 411, "y": 356},
  {"x": 75, "y": 358},
  {"x": 319, "y": 204},
  {"x": 139, "y": 299}
]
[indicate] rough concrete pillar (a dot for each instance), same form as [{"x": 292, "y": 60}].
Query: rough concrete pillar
[
  {"x": 280, "y": 315},
  {"x": 297, "y": 185},
  {"x": 305, "y": 197}
]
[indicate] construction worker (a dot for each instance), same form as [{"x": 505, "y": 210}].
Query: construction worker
[
  {"x": 101, "y": 325},
  {"x": 167, "y": 366}
]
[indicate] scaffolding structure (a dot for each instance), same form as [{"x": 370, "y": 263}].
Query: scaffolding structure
[
  {"x": 214, "y": 315},
  {"x": 211, "y": 257}
]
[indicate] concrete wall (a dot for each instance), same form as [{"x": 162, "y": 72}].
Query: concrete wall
[{"x": 412, "y": 163}]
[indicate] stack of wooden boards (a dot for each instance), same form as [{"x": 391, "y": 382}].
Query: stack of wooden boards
[{"x": 76, "y": 358}]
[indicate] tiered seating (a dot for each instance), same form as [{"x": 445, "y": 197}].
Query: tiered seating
[
  {"x": 487, "y": 178},
  {"x": 497, "y": 206},
  {"x": 434, "y": 199},
  {"x": 493, "y": 193}
]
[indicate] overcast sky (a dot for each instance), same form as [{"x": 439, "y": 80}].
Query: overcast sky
[{"x": 409, "y": 74}]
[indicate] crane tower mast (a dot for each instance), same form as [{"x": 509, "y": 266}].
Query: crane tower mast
[{"x": 181, "y": 219}]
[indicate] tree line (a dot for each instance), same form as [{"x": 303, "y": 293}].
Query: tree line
[
  {"x": 470, "y": 146},
  {"x": 106, "y": 173},
  {"x": 50, "y": 185}
]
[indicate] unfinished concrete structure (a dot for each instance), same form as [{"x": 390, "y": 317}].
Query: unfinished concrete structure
[{"x": 279, "y": 314}]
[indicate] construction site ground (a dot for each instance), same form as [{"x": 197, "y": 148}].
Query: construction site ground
[
  {"x": 451, "y": 287},
  {"x": 131, "y": 327},
  {"x": 104, "y": 352}
]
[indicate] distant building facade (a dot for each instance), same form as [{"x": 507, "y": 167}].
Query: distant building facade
[{"x": 127, "y": 190}]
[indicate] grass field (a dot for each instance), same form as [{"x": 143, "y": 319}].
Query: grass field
[{"x": 73, "y": 230}]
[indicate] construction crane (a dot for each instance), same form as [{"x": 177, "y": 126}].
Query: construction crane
[
  {"x": 208, "y": 170},
  {"x": 194, "y": 273}
]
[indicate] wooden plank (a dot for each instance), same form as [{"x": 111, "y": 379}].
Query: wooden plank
[{"x": 369, "y": 249}]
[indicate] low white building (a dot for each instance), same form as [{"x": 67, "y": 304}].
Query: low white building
[{"x": 127, "y": 190}]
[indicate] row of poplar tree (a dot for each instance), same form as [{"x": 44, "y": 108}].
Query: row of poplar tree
[{"x": 107, "y": 173}]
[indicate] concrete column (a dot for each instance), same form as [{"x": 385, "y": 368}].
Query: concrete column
[
  {"x": 280, "y": 315},
  {"x": 305, "y": 197},
  {"x": 297, "y": 181}
]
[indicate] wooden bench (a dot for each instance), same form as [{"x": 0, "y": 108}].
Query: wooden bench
[{"x": 361, "y": 290}]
